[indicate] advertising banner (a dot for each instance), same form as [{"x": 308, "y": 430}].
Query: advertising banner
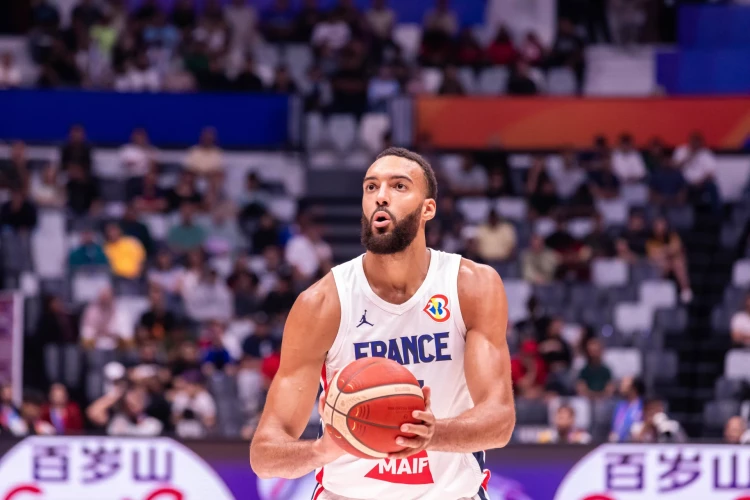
[{"x": 540, "y": 123}]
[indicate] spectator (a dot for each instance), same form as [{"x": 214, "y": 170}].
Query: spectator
[
  {"x": 30, "y": 422},
  {"x": 248, "y": 80},
  {"x": 148, "y": 196},
  {"x": 496, "y": 239},
  {"x": 45, "y": 15},
  {"x": 441, "y": 19},
  {"x": 262, "y": 343},
  {"x": 598, "y": 244},
  {"x": 573, "y": 259},
  {"x": 570, "y": 183},
  {"x": 212, "y": 31},
  {"x": 629, "y": 409},
  {"x": 277, "y": 23},
  {"x": 656, "y": 426},
  {"x": 501, "y": 51},
  {"x": 88, "y": 252},
  {"x": 735, "y": 430},
  {"x": 187, "y": 359},
  {"x": 740, "y": 324},
  {"x": 603, "y": 183},
  {"x": 55, "y": 324},
  {"x": 160, "y": 35},
  {"x": 269, "y": 267},
  {"x": 279, "y": 301},
  {"x": 539, "y": 188},
  {"x": 139, "y": 76},
  {"x": 242, "y": 20},
  {"x": 158, "y": 322},
  {"x": 469, "y": 179},
  {"x": 104, "y": 324},
  {"x": 126, "y": 254},
  {"x": 104, "y": 35},
  {"x": 183, "y": 192},
  {"x": 595, "y": 379},
  {"x": 244, "y": 286},
  {"x": 557, "y": 355},
  {"x": 307, "y": 18},
  {"x": 282, "y": 82},
  {"x": 632, "y": 242},
  {"x": 520, "y": 81},
  {"x": 165, "y": 274},
  {"x": 186, "y": 235},
  {"x": 206, "y": 158},
  {"x": 10, "y": 73},
  {"x": 215, "y": 354},
  {"x": 349, "y": 82},
  {"x": 307, "y": 253},
  {"x": 539, "y": 263},
  {"x": 698, "y": 165},
  {"x": 567, "y": 50},
  {"x": 14, "y": 173},
  {"x": 332, "y": 32},
  {"x": 668, "y": 186},
  {"x": 193, "y": 408},
  {"x": 87, "y": 12},
  {"x": 627, "y": 162},
  {"x": 9, "y": 413},
  {"x": 63, "y": 414},
  {"x": 132, "y": 226},
  {"x": 468, "y": 50},
  {"x": 46, "y": 190},
  {"x": 656, "y": 156},
  {"x": 318, "y": 94},
  {"x": 564, "y": 431},
  {"x": 664, "y": 249},
  {"x": 209, "y": 299},
  {"x": 123, "y": 412},
  {"x": 381, "y": 89},
  {"x": 138, "y": 156},
  {"x": 381, "y": 19},
  {"x": 183, "y": 15},
  {"x": 498, "y": 184},
  {"x": 82, "y": 191},
  {"x": 532, "y": 50},
  {"x": 451, "y": 84},
  {"x": 196, "y": 262},
  {"x": 528, "y": 371},
  {"x": 76, "y": 150},
  {"x": 18, "y": 214},
  {"x": 214, "y": 79}
]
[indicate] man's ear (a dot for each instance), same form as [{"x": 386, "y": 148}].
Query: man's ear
[{"x": 429, "y": 209}]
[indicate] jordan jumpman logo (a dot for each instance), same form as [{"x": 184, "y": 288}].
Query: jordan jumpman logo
[{"x": 363, "y": 320}]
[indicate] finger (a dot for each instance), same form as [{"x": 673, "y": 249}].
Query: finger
[
  {"x": 424, "y": 416},
  {"x": 404, "y": 454},
  {"x": 415, "y": 442},
  {"x": 419, "y": 430},
  {"x": 427, "y": 393}
]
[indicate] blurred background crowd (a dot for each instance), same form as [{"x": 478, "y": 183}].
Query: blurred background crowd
[{"x": 157, "y": 281}]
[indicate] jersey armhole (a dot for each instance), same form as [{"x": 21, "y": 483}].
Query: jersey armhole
[
  {"x": 458, "y": 318},
  {"x": 344, "y": 294}
]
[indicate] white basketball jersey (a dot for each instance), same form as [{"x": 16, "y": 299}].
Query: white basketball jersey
[{"x": 427, "y": 335}]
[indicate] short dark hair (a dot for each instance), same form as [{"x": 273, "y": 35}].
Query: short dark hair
[
  {"x": 429, "y": 173},
  {"x": 639, "y": 387}
]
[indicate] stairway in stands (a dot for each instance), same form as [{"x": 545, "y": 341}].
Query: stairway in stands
[{"x": 701, "y": 355}]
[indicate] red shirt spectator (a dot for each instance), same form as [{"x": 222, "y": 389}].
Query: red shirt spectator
[
  {"x": 528, "y": 370},
  {"x": 502, "y": 52},
  {"x": 64, "y": 415},
  {"x": 468, "y": 50}
]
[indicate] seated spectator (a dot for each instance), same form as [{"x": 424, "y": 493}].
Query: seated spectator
[
  {"x": 244, "y": 286},
  {"x": 184, "y": 192},
  {"x": 9, "y": 412},
  {"x": 349, "y": 82},
  {"x": 248, "y": 80},
  {"x": 307, "y": 18},
  {"x": 279, "y": 301},
  {"x": 501, "y": 51},
  {"x": 206, "y": 158},
  {"x": 739, "y": 326},
  {"x": 468, "y": 50},
  {"x": 10, "y": 73},
  {"x": 158, "y": 322},
  {"x": 186, "y": 358},
  {"x": 76, "y": 149},
  {"x": 88, "y": 252},
  {"x": 55, "y": 324},
  {"x": 539, "y": 188},
  {"x": 698, "y": 165},
  {"x": 18, "y": 214},
  {"x": 214, "y": 352},
  {"x": 496, "y": 239},
  {"x": 186, "y": 235},
  {"x": 664, "y": 248},
  {"x": 105, "y": 325},
  {"x": 573, "y": 259},
  {"x": 668, "y": 187},
  {"x": 183, "y": 15},
  {"x": 598, "y": 244},
  {"x": 283, "y": 82},
  {"x": 277, "y": 23},
  {"x": 269, "y": 268},
  {"x": 568, "y": 50},
  {"x": 122, "y": 412},
  {"x": 470, "y": 179},
  {"x": 62, "y": 413},
  {"x": 564, "y": 431},
  {"x": 441, "y": 19},
  {"x": 557, "y": 355},
  {"x": 30, "y": 420},
  {"x": 532, "y": 50},
  {"x": 159, "y": 34},
  {"x": 46, "y": 190},
  {"x": 14, "y": 173},
  {"x": 632, "y": 242},
  {"x": 656, "y": 155},
  {"x": 570, "y": 182},
  {"x": 196, "y": 262},
  {"x": 528, "y": 371},
  {"x": 539, "y": 263},
  {"x": 212, "y": 31},
  {"x": 242, "y": 20},
  {"x": 307, "y": 253},
  {"x": 87, "y": 11},
  {"x": 214, "y": 78},
  {"x": 735, "y": 431},
  {"x": 125, "y": 254},
  {"x": 381, "y": 89},
  {"x": 224, "y": 236},
  {"x": 193, "y": 408},
  {"x": 451, "y": 84},
  {"x": 595, "y": 379},
  {"x": 629, "y": 409},
  {"x": 262, "y": 343},
  {"x": 332, "y": 32},
  {"x": 139, "y": 76},
  {"x": 656, "y": 426},
  {"x": 627, "y": 162},
  {"x": 132, "y": 226},
  {"x": 139, "y": 155},
  {"x": 498, "y": 184},
  {"x": 209, "y": 299},
  {"x": 318, "y": 94},
  {"x": 82, "y": 191},
  {"x": 381, "y": 19},
  {"x": 165, "y": 274},
  {"x": 603, "y": 183},
  {"x": 147, "y": 196},
  {"x": 520, "y": 82}
]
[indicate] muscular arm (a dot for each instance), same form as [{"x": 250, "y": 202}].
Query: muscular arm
[
  {"x": 490, "y": 423},
  {"x": 310, "y": 330}
]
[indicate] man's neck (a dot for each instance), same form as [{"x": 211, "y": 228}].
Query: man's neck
[{"x": 396, "y": 277}]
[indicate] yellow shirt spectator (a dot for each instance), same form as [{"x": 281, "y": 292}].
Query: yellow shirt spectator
[{"x": 126, "y": 254}]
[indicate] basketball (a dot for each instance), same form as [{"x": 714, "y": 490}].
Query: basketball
[{"x": 367, "y": 402}]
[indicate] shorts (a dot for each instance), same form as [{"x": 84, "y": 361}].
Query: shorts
[{"x": 327, "y": 495}]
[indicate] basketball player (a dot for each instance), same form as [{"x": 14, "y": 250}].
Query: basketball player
[{"x": 441, "y": 316}]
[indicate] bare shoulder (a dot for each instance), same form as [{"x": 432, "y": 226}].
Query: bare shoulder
[
  {"x": 318, "y": 304},
  {"x": 480, "y": 291}
]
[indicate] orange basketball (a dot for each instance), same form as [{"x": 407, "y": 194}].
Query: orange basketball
[{"x": 367, "y": 402}]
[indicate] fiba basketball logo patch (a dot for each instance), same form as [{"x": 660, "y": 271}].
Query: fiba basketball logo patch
[{"x": 437, "y": 308}]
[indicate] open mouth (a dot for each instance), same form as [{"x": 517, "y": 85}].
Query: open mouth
[{"x": 381, "y": 220}]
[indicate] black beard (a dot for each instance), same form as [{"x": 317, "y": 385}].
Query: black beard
[{"x": 398, "y": 240}]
